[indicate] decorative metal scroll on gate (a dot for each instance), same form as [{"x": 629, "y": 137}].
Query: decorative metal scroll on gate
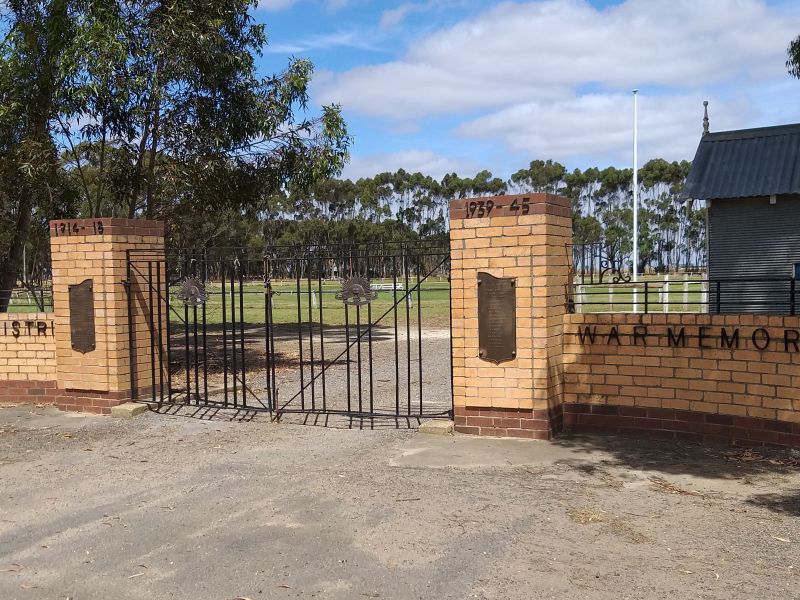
[
  {"x": 595, "y": 262},
  {"x": 193, "y": 292},
  {"x": 357, "y": 291}
]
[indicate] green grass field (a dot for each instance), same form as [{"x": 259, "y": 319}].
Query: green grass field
[
  {"x": 677, "y": 296},
  {"x": 434, "y": 296},
  {"x": 22, "y": 301},
  {"x": 435, "y": 304}
]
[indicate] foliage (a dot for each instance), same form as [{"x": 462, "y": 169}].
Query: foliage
[
  {"x": 793, "y": 58},
  {"x": 150, "y": 108}
]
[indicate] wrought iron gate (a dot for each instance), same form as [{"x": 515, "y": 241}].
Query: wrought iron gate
[{"x": 359, "y": 331}]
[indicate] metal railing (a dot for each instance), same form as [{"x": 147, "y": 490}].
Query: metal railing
[
  {"x": 30, "y": 299},
  {"x": 687, "y": 294}
]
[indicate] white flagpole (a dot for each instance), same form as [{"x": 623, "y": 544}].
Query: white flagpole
[{"x": 635, "y": 198}]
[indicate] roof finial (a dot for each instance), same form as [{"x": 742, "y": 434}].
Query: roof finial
[{"x": 705, "y": 117}]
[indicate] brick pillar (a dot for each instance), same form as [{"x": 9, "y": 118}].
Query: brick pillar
[
  {"x": 95, "y": 249},
  {"x": 525, "y": 237}
]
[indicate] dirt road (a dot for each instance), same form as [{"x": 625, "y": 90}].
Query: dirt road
[{"x": 180, "y": 507}]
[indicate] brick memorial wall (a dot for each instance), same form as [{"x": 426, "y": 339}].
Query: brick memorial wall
[
  {"x": 688, "y": 376},
  {"x": 27, "y": 357}
]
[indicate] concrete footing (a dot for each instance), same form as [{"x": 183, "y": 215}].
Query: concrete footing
[
  {"x": 128, "y": 410},
  {"x": 437, "y": 427}
]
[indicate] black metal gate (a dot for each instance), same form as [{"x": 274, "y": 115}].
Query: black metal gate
[{"x": 357, "y": 331}]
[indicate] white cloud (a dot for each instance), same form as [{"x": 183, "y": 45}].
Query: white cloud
[
  {"x": 424, "y": 161},
  {"x": 395, "y": 16},
  {"x": 602, "y": 125},
  {"x": 544, "y": 51},
  {"x": 275, "y": 4},
  {"x": 340, "y": 39}
]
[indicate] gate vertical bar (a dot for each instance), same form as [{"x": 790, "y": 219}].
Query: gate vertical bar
[
  {"x": 131, "y": 327},
  {"x": 205, "y": 326},
  {"x": 186, "y": 352},
  {"x": 347, "y": 350},
  {"x": 272, "y": 352},
  {"x": 311, "y": 334},
  {"x": 322, "y": 331},
  {"x": 234, "y": 359},
  {"x": 396, "y": 340},
  {"x": 168, "y": 308},
  {"x": 194, "y": 340},
  {"x": 358, "y": 355},
  {"x": 450, "y": 306},
  {"x": 241, "y": 334},
  {"x": 160, "y": 338},
  {"x": 195, "y": 355},
  {"x": 267, "y": 326},
  {"x": 419, "y": 327},
  {"x": 408, "y": 297},
  {"x": 152, "y": 329},
  {"x": 369, "y": 333},
  {"x": 298, "y": 276},
  {"x": 224, "y": 302}
]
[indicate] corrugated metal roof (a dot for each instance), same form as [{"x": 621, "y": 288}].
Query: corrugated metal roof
[{"x": 746, "y": 163}]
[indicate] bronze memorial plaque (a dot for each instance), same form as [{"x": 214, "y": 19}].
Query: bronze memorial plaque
[
  {"x": 497, "y": 318},
  {"x": 81, "y": 316}
]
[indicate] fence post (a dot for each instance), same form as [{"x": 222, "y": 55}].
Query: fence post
[
  {"x": 686, "y": 292},
  {"x": 665, "y": 295},
  {"x": 103, "y": 375},
  {"x": 791, "y": 296},
  {"x": 535, "y": 260},
  {"x": 719, "y": 297},
  {"x": 705, "y": 305},
  {"x": 645, "y": 297}
]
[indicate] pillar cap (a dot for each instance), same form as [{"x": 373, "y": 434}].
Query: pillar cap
[
  {"x": 505, "y": 206},
  {"x": 105, "y": 226}
]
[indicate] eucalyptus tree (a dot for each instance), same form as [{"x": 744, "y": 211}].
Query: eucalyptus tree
[
  {"x": 540, "y": 176},
  {"x": 36, "y": 35},
  {"x": 150, "y": 108},
  {"x": 793, "y": 58}
]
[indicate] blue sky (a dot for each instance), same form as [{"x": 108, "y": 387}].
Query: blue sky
[{"x": 461, "y": 85}]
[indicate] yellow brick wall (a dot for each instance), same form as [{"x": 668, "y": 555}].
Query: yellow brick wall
[
  {"x": 102, "y": 258},
  {"x": 532, "y": 248},
  {"x": 27, "y": 347},
  {"x": 744, "y": 381}
]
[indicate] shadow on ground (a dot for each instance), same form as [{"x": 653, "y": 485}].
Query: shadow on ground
[
  {"x": 314, "y": 419},
  {"x": 208, "y": 413},
  {"x": 684, "y": 458},
  {"x": 787, "y": 503}
]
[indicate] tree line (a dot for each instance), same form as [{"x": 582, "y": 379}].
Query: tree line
[
  {"x": 404, "y": 205},
  {"x": 154, "y": 109}
]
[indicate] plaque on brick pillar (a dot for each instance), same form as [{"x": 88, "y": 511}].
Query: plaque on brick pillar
[
  {"x": 81, "y": 316},
  {"x": 497, "y": 316}
]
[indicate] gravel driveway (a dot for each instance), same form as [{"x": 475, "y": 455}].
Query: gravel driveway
[{"x": 169, "y": 506}]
